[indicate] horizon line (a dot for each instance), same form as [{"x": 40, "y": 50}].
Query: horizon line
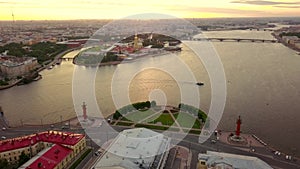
[{"x": 9, "y": 20}]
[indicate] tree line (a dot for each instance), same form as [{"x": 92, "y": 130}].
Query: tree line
[
  {"x": 43, "y": 51},
  {"x": 133, "y": 107},
  {"x": 193, "y": 110}
]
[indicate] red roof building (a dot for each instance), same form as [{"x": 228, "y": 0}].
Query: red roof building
[
  {"x": 56, "y": 155},
  {"x": 61, "y": 148},
  {"x": 68, "y": 139}
]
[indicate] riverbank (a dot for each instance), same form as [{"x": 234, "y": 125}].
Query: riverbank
[
  {"x": 10, "y": 85},
  {"x": 293, "y": 47},
  {"x": 111, "y": 63},
  {"x": 56, "y": 59}
]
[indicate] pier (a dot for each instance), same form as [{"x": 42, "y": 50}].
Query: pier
[{"x": 236, "y": 40}]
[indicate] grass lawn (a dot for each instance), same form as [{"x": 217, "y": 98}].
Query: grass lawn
[
  {"x": 164, "y": 118},
  {"x": 138, "y": 115},
  {"x": 186, "y": 120}
]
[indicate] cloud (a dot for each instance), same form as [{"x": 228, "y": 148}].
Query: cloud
[
  {"x": 263, "y": 2},
  {"x": 284, "y": 6},
  {"x": 217, "y": 10},
  {"x": 5, "y": 2}
]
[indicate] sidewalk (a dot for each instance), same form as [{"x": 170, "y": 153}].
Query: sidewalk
[{"x": 250, "y": 141}]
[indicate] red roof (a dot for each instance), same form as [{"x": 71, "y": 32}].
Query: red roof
[
  {"x": 51, "y": 158},
  {"x": 128, "y": 49},
  {"x": 50, "y": 136}
]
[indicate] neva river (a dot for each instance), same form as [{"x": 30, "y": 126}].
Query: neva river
[{"x": 263, "y": 86}]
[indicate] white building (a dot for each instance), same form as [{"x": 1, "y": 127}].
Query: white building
[
  {"x": 134, "y": 149},
  {"x": 217, "y": 160}
]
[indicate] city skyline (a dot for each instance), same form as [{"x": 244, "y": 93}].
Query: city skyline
[{"x": 104, "y": 9}]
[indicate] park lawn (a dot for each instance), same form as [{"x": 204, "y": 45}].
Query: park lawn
[
  {"x": 185, "y": 120},
  {"x": 164, "y": 118},
  {"x": 137, "y": 116}
]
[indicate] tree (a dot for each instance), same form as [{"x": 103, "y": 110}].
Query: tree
[
  {"x": 23, "y": 158},
  {"x": 148, "y": 104},
  {"x": 117, "y": 115},
  {"x": 3, "y": 163},
  {"x": 179, "y": 106},
  {"x": 153, "y": 103}
]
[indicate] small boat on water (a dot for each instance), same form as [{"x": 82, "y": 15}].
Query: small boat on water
[
  {"x": 58, "y": 62},
  {"x": 50, "y": 67},
  {"x": 37, "y": 78},
  {"x": 199, "y": 83}
]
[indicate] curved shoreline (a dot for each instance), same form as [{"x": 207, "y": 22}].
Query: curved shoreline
[
  {"x": 55, "y": 60},
  {"x": 10, "y": 85}
]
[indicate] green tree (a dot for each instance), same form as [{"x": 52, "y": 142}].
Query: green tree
[
  {"x": 3, "y": 163},
  {"x": 153, "y": 103},
  {"x": 23, "y": 158}
]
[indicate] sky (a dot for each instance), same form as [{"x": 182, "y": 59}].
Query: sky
[{"x": 115, "y": 9}]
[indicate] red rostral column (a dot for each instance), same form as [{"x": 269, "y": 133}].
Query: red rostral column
[
  {"x": 238, "y": 126},
  {"x": 84, "y": 111}
]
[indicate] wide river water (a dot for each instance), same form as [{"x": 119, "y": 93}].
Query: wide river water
[{"x": 263, "y": 86}]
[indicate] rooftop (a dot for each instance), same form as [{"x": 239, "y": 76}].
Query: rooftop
[
  {"x": 49, "y": 158},
  {"x": 11, "y": 61},
  {"x": 233, "y": 161},
  {"x": 55, "y": 137},
  {"x": 134, "y": 148}
]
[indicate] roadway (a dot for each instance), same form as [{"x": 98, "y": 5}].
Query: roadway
[{"x": 102, "y": 134}]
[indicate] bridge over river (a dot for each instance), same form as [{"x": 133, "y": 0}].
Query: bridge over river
[{"x": 236, "y": 40}]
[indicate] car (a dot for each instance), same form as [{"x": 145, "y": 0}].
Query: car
[
  {"x": 277, "y": 153},
  {"x": 3, "y": 128},
  {"x": 213, "y": 141},
  {"x": 288, "y": 157},
  {"x": 3, "y": 137}
]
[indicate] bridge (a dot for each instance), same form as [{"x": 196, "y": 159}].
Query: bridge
[{"x": 236, "y": 40}]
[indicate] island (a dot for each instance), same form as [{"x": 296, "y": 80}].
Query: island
[{"x": 128, "y": 49}]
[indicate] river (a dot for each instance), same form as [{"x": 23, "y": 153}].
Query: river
[{"x": 263, "y": 86}]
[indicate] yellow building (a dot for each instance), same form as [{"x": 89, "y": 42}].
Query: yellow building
[
  {"x": 11, "y": 66},
  {"x": 137, "y": 43}
]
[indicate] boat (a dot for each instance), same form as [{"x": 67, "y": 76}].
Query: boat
[
  {"x": 199, "y": 83},
  {"x": 37, "y": 78},
  {"x": 58, "y": 62}
]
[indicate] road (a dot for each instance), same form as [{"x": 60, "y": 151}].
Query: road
[{"x": 102, "y": 134}]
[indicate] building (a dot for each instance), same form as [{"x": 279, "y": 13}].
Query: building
[
  {"x": 51, "y": 149},
  {"x": 11, "y": 66},
  {"x": 217, "y": 160},
  {"x": 290, "y": 39},
  {"x": 56, "y": 156},
  {"x": 134, "y": 149}
]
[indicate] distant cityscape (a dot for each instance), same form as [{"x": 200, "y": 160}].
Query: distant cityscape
[{"x": 29, "y": 47}]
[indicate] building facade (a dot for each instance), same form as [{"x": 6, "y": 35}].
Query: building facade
[
  {"x": 11, "y": 66},
  {"x": 66, "y": 146}
]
